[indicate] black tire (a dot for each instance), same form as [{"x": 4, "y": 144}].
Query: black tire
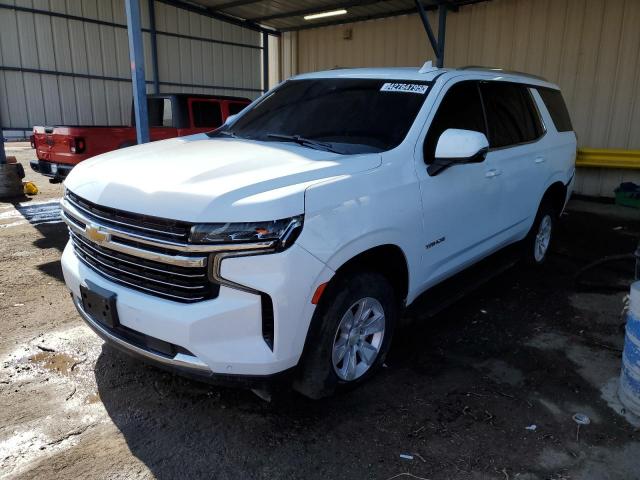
[
  {"x": 317, "y": 377},
  {"x": 546, "y": 213}
]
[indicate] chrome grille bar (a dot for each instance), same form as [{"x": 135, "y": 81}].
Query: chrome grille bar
[
  {"x": 70, "y": 210},
  {"x": 141, "y": 256},
  {"x": 125, "y": 224},
  {"x": 86, "y": 244},
  {"x": 138, "y": 287},
  {"x": 125, "y": 272},
  {"x": 113, "y": 244}
]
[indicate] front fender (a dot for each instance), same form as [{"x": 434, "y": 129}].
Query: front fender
[{"x": 348, "y": 215}]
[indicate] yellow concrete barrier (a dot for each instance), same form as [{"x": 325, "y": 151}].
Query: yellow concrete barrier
[{"x": 608, "y": 158}]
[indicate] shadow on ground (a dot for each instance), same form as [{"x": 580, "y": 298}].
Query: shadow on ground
[
  {"x": 528, "y": 349},
  {"x": 44, "y": 216}
]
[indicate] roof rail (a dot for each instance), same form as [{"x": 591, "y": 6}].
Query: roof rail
[{"x": 502, "y": 70}]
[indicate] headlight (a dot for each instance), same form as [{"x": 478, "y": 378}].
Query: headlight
[{"x": 276, "y": 233}]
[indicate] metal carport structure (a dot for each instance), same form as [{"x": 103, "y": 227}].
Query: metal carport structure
[
  {"x": 56, "y": 55},
  {"x": 270, "y": 18},
  {"x": 261, "y": 16}
]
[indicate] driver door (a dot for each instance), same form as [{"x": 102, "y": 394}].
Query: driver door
[{"x": 460, "y": 205}]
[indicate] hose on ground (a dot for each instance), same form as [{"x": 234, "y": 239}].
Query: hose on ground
[{"x": 602, "y": 286}]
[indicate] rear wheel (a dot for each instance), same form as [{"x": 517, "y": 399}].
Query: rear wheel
[
  {"x": 350, "y": 334},
  {"x": 538, "y": 240}
]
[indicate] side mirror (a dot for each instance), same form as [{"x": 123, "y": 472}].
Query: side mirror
[{"x": 457, "y": 146}]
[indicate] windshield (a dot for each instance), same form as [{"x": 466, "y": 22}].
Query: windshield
[{"x": 346, "y": 116}]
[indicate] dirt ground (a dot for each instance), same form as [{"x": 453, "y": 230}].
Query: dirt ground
[{"x": 530, "y": 348}]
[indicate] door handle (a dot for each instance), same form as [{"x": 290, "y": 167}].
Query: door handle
[
  {"x": 540, "y": 159},
  {"x": 493, "y": 173}
]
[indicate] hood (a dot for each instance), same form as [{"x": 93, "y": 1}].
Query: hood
[{"x": 203, "y": 179}]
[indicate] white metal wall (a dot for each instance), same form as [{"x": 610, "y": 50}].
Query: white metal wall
[
  {"x": 188, "y": 61},
  {"x": 42, "y": 42},
  {"x": 591, "y": 48}
]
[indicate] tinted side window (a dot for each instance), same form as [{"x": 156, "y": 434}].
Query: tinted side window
[
  {"x": 461, "y": 108},
  {"x": 557, "y": 109},
  {"x": 512, "y": 117},
  {"x": 236, "y": 108},
  {"x": 159, "y": 112},
  {"x": 206, "y": 114}
]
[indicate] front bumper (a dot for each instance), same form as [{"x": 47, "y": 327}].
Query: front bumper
[{"x": 223, "y": 335}]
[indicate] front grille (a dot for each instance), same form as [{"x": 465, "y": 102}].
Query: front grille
[
  {"x": 182, "y": 284},
  {"x": 149, "y": 226}
]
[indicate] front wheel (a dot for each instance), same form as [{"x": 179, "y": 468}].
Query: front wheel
[
  {"x": 537, "y": 242},
  {"x": 350, "y": 334}
]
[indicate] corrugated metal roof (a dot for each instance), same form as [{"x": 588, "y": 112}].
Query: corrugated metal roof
[{"x": 284, "y": 15}]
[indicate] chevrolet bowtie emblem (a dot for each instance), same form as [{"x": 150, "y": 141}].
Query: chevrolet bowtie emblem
[{"x": 95, "y": 234}]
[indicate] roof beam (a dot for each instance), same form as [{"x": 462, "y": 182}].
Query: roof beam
[
  {"x": 362, "y": 18},
  {"x": 208, "y": 12},
  {"x": 432, "y": 5},
  {"x": 234, "y": 4},
  {"x": 406, "y": 11},
  {"x": 449, "y": 4},
  {"x": 311, "y": 11}
]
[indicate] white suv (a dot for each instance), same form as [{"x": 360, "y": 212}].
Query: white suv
[{"x": 289, "y": 240}]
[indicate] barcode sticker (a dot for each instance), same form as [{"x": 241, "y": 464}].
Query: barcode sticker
[{"x": 404, "y": 87}]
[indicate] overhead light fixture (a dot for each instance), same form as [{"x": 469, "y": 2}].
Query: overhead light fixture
[{"x": 331, "y": 13}]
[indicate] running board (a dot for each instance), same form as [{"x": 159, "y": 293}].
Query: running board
[{"x": 450, "y": 291}]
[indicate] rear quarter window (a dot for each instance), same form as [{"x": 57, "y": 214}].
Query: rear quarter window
[
  {"x": 206, "y": 114},
  {"x": 557, "y": 109},
  {"x": 235, "y": 108},
  {"x": 160, "y": 112}
]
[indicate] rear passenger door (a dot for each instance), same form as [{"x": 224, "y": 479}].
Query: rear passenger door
[{"x": 514, "y": 130}]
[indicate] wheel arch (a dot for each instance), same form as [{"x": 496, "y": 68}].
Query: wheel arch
[
  {"x": 556, "y": 193},
  {"x": 387, "y": 259}
]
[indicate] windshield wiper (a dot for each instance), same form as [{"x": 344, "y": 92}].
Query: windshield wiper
[
  {"x": 305, "y": 142},
  {"x": 228, "y": 133}
]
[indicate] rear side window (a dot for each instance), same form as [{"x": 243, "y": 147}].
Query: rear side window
[
  {"x": 160, "y": 113},
  {"x": 236, "y": 108},
  {"x": 557, "y": 109},
  {"x": 206, "y": 114},
  {"x": 512, "y": 117},
  {"x": 461, "y": 108}
]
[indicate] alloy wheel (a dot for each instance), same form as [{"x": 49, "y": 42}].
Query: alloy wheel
[
  {"x": 543, "y": 238},
  {"x": 358, "y": 339}
]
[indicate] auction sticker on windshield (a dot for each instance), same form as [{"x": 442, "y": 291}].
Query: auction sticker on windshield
[{"x": 404, "y": 87}]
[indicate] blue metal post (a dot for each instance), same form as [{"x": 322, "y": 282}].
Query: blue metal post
[
  {"x": 154, "y": 45},
  {"x": 136, "y": 58},
  {"x": 265, "y": 61},
  {"x": 3, "y": 156},
  {"x": 427, "y": 26},
  {"x": 442, "y": 25}
]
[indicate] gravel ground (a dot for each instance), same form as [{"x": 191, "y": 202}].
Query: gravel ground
[{"x": 529, "y": 348}]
